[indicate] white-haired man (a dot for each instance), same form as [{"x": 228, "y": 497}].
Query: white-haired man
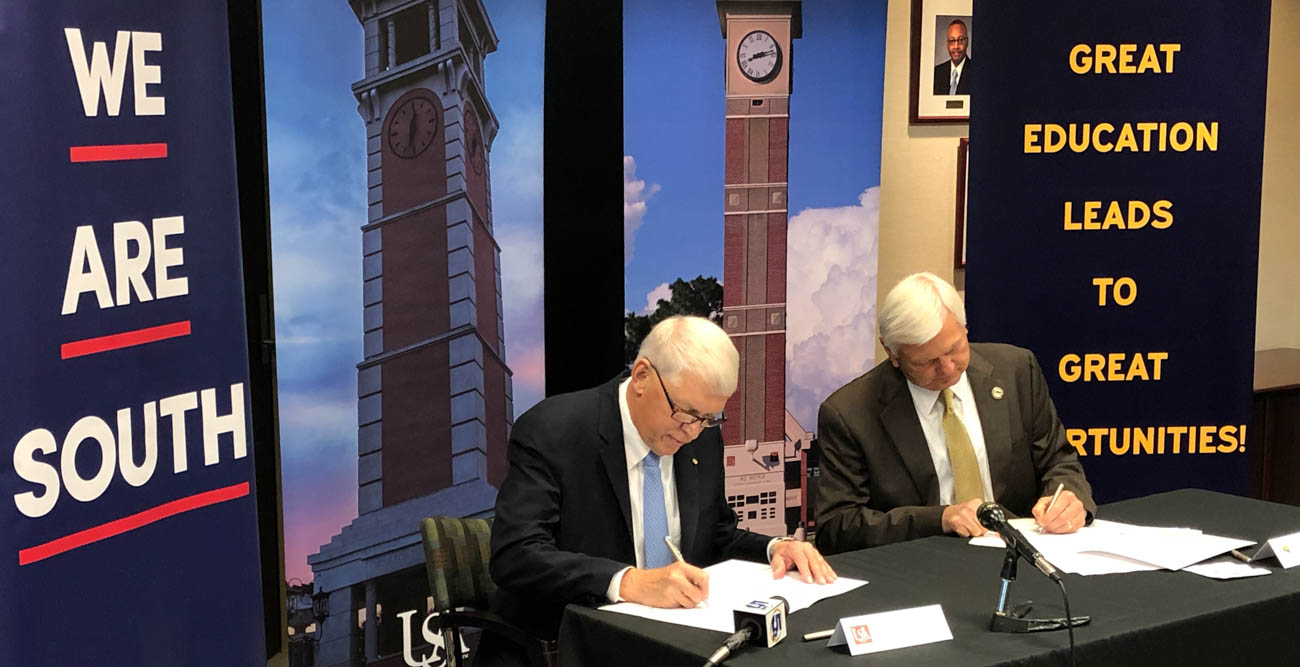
[
  {"x": 598, "y": 478},
  {"x": 913, "y": 447}
]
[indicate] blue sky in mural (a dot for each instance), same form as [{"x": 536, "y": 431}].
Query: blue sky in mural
[
  {"x": 316, "y": 155},
  {"x": 673, "y": 146}
]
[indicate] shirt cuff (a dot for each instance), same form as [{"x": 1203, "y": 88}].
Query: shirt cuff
[
  {"x": 770, "y": 546},
  {"x": 616, "y": 582}
]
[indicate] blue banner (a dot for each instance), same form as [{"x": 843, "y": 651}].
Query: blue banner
[
  {"x": 1116, "y": 154},
  {"x": 129, "y": 522}
]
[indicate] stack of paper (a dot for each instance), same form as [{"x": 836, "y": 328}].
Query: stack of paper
[
  {"x": 1108, "y": 547},
  {"x": 732, "y": 584}
]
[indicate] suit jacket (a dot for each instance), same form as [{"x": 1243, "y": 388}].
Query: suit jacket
[
  {"x": 878, "y": 484},
  {"x": 563, "y": 523},
  {"x": 942, "y": 74}
]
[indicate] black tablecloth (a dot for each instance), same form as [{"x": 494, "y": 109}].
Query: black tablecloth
[{"x": 1140, "y": 618}]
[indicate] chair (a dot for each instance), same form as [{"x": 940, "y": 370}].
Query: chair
[{"x": 456, "y": 555}]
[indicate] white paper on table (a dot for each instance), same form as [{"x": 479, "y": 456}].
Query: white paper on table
[
  {"x": 887, "y": 630},
  {"x": 732, "y": 584},
  {"x": 1063, "y": 554},
  {"x": 1088, "y": 563},
  {"x": 989, "y": 539},
  {"x": 1226, "y": 567},
  {"x": 1169, "y": 548},
  {"x": 1109, "y": 547}
]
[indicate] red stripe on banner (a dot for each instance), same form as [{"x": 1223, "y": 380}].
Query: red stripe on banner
[
  {"x": 117, "y": 152},
  {"x": 127, "y": 524},
  {"x": 80, "y": 348}
]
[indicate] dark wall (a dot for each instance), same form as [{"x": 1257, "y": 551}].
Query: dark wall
[
  {"x": 249, "y": 99},
  {"x": 582, "y": 172}
]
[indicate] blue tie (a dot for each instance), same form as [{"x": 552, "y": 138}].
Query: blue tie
[{"x": 654, "y": 517}]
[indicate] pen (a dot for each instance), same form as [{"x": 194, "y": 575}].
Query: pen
[
  {"x": 1240, "y": 556},
  {"x": 820, "y": 634},
  {"x": 677, "y": 554},
  {"x": 1052, "y": 502}
]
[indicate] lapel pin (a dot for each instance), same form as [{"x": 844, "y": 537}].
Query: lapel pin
[
  {"x": 997, "y": 393},
  {"x": 695, "y": 461}
]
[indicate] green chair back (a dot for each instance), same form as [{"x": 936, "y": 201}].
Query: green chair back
[{"x": 456, "y": 553}]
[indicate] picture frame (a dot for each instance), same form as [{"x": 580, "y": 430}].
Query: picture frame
[
  {"x": 963, "y": 179},
  {"x": 932, "y": 20}
]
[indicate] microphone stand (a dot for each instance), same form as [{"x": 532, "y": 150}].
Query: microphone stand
[{"x": 1011, "y": 618}]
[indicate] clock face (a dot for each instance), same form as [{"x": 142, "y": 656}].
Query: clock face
[
  {"x": 412, "y": 127},
  {"x": 759, "y": 56},
  {"x": 474, "y": 144}
]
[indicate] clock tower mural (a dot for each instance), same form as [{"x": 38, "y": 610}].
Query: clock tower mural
[
  {"x": 434, "y": 392},
  {"x": 758, "y": 85}
]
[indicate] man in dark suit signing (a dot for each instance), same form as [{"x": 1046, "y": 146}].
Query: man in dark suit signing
[
  {"x": 913, "y": 447},
  {"x": 598, "y": 478},
  {"x": 952, "y": 76}
]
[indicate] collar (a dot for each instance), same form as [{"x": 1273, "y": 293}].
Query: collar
[
  {"x": 926, "y": 400},
  {"x": 632, "y": 443}
]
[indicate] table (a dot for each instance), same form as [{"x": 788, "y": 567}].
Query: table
[{"x": 1140, "y": 618}]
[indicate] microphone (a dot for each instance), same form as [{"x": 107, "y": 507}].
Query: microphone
[
  {"x": 758, "y": 622},
  {"x": 993, "y": 517}
]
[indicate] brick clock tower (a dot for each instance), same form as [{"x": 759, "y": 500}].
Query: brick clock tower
[
  {"x": 764, "y": 468},
  {"x": 434, "y": 392}
]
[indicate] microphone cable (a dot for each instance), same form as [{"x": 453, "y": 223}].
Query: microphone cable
[{"x": 1069, "y": 620}]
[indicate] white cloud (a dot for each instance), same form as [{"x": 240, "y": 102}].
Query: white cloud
[
  {"x": 320, "y": 417},
  {"x": 635, "y": 195},
  {"x": 517, "y": 167},
  {"x": 317, "y": 209},
  {"x": 652, "y": 298},
  {"x": 521, "y": 271},
  {"x": 517, "y": 220},
  {"x": 523, "y": 308},
  {"x": 831, "y": 295}
]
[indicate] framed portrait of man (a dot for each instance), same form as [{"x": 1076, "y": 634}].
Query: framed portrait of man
[{"x": 943, "y": 71}]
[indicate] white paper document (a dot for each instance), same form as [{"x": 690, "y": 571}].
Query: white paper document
[
  {"x": 884, "y": 631},
  {"x": 1226, "y": 567},
  {"x": 732, "y": 584},
  {"x": 1108, "y": 547}
]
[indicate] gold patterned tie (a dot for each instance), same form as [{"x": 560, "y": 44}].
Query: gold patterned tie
[{"x": 961, "y": 455}]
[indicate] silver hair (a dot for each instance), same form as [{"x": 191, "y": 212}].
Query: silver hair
[
  {"x": 695, "y": 345},
  {"x": 912, "y": 313}
]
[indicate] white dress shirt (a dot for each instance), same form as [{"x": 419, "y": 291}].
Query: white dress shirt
[
  {"x": 635, "y": 450},
  {"x": 954, "y": 76},
  {"x": 929, "y": 409}
]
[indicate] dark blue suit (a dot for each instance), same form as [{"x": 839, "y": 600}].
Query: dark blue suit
[
  {"x": 943, "y": 76},
  {"x": 563, "y": 523}
]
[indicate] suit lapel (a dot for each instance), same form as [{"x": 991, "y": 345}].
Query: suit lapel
[
  {"x": 686, "y": 476},
  {"x": 995, "y": 419},
  {"x": 610, "y": 428},
  {"x": 905, "y": 434}
]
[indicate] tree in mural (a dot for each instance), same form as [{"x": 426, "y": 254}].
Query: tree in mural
[{"x": 701, "y": 296}]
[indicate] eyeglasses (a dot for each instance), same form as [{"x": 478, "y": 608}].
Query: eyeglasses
[
  {"x": 686, "y": 417},
  {"x": 957, "y": 40}
]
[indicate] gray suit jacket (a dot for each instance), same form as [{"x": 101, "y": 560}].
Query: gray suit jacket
[{"x": 878, "y": 483}]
